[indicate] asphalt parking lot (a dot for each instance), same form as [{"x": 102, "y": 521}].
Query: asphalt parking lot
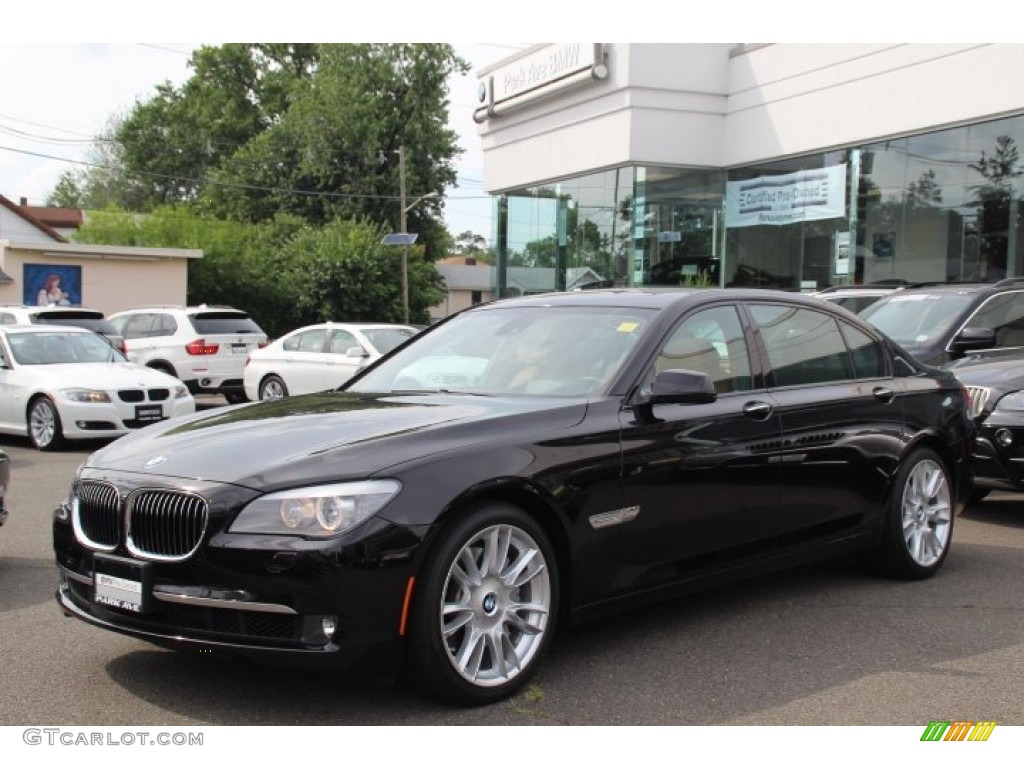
[{"x": 823, "y": 645}]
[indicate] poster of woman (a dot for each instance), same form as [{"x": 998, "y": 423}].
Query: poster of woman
[{"x": 46, "y": 284}]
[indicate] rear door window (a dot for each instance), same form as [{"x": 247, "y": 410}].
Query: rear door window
[{"x": 803, "y": 346}]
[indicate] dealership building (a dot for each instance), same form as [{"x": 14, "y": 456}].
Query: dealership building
[{"x": 796, "y": 166}]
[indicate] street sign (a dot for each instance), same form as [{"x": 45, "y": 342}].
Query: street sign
[{"x": 399, "y": 238}]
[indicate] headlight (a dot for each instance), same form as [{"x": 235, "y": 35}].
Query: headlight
[
  {"x": 322, "y": 510},
  {"x": 61, "y": 512},
  {"x": 86, "y": 395},
  {"x": 1011, "y": 402},
  {"x": 180, "y": 391}
]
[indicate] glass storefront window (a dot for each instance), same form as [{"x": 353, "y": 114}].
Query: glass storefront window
[
  {"x": 940, "y": 206},
  {"x": 625, "y": 226}
]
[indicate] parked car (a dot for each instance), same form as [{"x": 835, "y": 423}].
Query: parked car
[
  {"x": 856, "y": 298},
  {"x": 949, "y": 324},
  {"x": 318, "y": 357},
  {"x": 204, "y": 346},
  {"x": 607, "y": 453},
  {"x": 62, "y": 383},
  {"x": 81, "y": 317},
  {"x": 5, "y": 482},
  {"x": 996, "y": 390}
]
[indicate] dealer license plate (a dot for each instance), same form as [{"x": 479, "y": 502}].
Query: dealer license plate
[
  {"x": 149, "y": 412},
  {"x": 121, "y": 583}
]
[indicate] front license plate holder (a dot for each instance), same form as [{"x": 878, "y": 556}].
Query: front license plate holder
[
  {"x": 122, "y": 583},
  {"x": 149, "y": 413}
]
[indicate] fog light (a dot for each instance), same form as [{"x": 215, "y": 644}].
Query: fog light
[
  {"x": 1004, "y": 437},
  {"x": 319, "y": 630}
]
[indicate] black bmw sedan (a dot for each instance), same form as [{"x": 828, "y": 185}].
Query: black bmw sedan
[{"x": 522, "y": 464}]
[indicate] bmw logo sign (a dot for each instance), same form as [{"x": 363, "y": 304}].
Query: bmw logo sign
[
  {"x": 155, "y": 462},
  {"x": 481, "y": 92},
  {"x": 490, "y": 602}
]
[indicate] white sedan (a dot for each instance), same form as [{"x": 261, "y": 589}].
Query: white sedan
[
  {"x": 318, "y": 357},
  {"x": 61, "y": 383}
]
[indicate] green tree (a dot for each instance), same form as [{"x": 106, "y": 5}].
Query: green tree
[
  {"x": 335, "y": 151},
  {"x": 470, "y": 245},
  {"x": 307, "y": 129},
  {"x": 285, "y": 272}
]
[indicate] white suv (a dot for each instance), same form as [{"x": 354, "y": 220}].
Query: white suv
[{"x": 204, "y": 346}]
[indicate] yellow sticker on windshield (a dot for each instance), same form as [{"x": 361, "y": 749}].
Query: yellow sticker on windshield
[{"x": 627, "y": 327}]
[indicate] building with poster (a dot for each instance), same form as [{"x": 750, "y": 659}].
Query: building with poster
[{"x": 796, "y": 166}]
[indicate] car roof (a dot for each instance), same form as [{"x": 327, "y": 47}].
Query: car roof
[
  {"x": 857, "y": 290},
  {"x": 651, "y": 297},
  {"x": 182, "y": 308},
  {"x": 45, "y": 328},
  {"x": 969, "y": 287},
  {"x": 33, "y": 309}
]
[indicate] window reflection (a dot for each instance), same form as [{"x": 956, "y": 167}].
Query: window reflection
[{"x": 944, "y": 205}]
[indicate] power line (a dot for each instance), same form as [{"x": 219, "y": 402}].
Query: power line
[{"x": 203, "y": 182}]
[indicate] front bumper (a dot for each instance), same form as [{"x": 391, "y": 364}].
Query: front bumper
[
  {"x": 999, "y": 453},
  {"x": 332, "y": 604},
  {"x": 95, "y": 420}
]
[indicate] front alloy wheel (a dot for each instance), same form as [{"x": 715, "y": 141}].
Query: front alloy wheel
[
  {"x": 44, "y": 428},
  {"x": 495, "y": 607},
  {"x": 487, "y": 607}
]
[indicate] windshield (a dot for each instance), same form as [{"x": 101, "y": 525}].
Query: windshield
[
  {"x": 56, "y": 348},
  {"x": 556, "y": 351},
  {"x": 918, "y": 318}
]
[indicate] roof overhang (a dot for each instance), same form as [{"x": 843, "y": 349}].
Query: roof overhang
[{"x": 114, "y": 252}]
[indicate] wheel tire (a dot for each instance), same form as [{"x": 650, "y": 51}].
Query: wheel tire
[
  {"x": 44, "y": 428},
  {"x": 919, "y": 523},
  {"x": 485, "y": 607},
  {"x": 273, "y": 388},
  {"x": 234, "y": 398}
]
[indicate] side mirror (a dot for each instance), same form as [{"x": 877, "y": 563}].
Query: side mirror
[
  {"x": 973, "y": 338},
  {"x": 680, "y": 386},
  {"x": 357, "y": 352}
]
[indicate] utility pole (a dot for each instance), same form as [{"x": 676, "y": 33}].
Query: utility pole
[{"x": 404, "y": 230}]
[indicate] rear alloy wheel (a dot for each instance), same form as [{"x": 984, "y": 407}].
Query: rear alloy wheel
[
  {"x": 486, "y": 609},
  {"x": 919, "y": 528},
  {"x": 273, "y": 388},
  {"x": 44, "y": 427}
]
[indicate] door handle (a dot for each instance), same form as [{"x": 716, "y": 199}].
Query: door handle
[
  {"x": 757, "y": 410},
  {"x": 883, "y": 394}
]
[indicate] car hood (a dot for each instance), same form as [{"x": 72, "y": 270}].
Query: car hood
[
  {"x": 100, "y": 375},
  {"x": 329, "y": 436},
  {"x": 996, "y": 375}
]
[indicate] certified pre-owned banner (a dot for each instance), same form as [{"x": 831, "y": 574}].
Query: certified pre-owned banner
[{"x": 793, "y": 197}]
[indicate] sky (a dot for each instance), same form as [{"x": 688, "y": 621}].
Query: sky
[{"x": 55, "y": 96}]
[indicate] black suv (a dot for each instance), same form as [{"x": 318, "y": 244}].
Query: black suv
[{"x": 948, "y": 324}]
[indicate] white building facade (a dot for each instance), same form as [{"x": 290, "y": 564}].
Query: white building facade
[{"x": 781, "y": 165}]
